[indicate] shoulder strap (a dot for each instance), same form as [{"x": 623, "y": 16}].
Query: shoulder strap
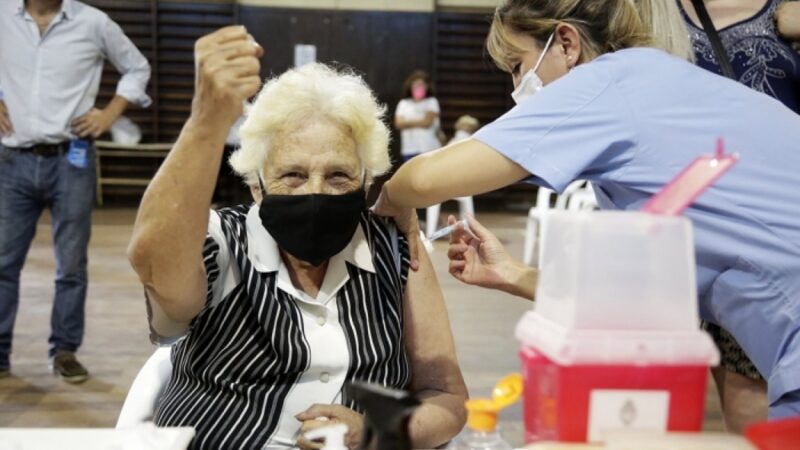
[{"x": 713, "y": 37}]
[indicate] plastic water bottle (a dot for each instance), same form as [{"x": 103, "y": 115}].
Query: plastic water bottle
[{"x": 481, "y": 431}]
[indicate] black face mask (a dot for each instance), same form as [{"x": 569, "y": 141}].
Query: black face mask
[{"x": 312, "y": 227}]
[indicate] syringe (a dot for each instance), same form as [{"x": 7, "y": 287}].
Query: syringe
[{"x": 447, "y": 230}]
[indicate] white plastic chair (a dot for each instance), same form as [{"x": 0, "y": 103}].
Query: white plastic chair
[
  {"x": 465, "y": 207},
  {"x": 537, "y": 216},
  {"x": 583, "y": 199},
  {"x": 535, "y": 219},
  {"x": 142, "y": 399}
]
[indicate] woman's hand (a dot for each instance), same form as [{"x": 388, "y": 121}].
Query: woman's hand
[
  {"x": 407, "y": 223},
  {"x": 170, "y": 230},
  {"x": 320, "y": 416},
  {"x": 477, "y": 257},
  {"x": 227, "y": 72},
  {"x": 787, "y": 18}
]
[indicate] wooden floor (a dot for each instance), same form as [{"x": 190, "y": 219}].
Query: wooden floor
[{"x": 116, "y": 342}]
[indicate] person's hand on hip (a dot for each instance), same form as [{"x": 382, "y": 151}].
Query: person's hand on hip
[
  {"x": 93, "y": 124},
  {"x": 5, "y": 120}
]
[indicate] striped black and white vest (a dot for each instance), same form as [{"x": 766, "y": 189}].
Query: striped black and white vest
[{"x": 234, "y": 369}]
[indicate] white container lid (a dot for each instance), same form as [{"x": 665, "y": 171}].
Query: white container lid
[
  {"x": 615, "y": 270},
  {"x": 568, "y": 347}
]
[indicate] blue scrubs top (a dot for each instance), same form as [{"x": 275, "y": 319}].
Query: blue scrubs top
[{"x": 629, "y": 121}]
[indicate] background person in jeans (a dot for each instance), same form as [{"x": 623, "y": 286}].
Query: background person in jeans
[{"x": 51, "y": 62}]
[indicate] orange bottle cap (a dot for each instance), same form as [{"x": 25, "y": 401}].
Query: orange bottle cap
[{"x": 482, "y": 414}]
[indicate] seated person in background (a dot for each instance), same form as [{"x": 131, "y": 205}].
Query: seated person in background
[
  {"x": 465, "y": 127},
  {"x": 278, "y": 304}
]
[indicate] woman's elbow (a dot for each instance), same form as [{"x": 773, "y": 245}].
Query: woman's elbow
[
  {"x": 460, "y": 411},
  {"x": 452, "y": 422},
  {"x": 138, "y": 253}
]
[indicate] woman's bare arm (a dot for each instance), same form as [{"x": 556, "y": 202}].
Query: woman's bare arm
[
  {"x": 788, "y": 19},
  {"x": 436, "y": 376},
  {"x": 465, "y": 168},
  {"x": 172, "y": 222}
]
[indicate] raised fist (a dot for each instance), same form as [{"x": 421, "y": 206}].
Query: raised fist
[{"x": 226, "y": 74}]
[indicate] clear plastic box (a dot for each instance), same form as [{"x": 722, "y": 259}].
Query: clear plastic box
[{"x": 614, "y": 270}]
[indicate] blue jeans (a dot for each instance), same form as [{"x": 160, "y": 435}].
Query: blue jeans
[{"x": 28, "y": 184}]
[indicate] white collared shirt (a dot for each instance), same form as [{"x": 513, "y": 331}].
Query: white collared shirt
[
  {"x": 323, "y": 380},
  {"x": 49, "y": 80}
]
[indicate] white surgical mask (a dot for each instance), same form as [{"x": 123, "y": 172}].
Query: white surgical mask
[{"x": 531, "y": 83}]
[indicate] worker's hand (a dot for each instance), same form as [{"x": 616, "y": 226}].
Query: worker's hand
[
  {"x": 5, "y": 120},
  {"x": 331, "y": 415},
  {"x": 407, "y": 223},
  {"x": 93, "y": 124},
  {"x": 477, "y": 257},
  {"x": 227, "y": 72}
]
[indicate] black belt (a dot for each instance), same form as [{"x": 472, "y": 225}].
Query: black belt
[{"x": 44, "y": 150}]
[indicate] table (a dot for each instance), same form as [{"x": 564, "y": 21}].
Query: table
[{"x": 142, "y": 437}]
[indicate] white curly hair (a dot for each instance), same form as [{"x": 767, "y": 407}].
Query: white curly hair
[{"x": 302, "y": 94}]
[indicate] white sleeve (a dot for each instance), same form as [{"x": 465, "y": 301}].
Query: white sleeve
[
  {"x": 433, "y": 105},
  {"x": 130, "y": 63},
  {"x": 402, "y": 109}
]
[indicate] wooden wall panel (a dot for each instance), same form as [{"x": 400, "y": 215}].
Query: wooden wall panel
[
  {"x": 468, "y": 81},
  {"x": 135, "y": 18},
  {"x": 178, "y": 26},
  {"x": 164, "y": 31},
  {"x": 383, "y": 46}
]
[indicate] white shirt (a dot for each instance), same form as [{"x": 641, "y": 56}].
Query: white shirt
[
  {"x": 49, "y": 80},
  {"x": 323, "y": 380},
  {"x": 418, "y": 140}
]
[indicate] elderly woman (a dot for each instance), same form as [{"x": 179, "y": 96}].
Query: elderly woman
[{"x": 281, "y": 303}]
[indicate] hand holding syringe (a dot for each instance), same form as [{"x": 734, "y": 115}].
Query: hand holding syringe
[{"x": 478, "y": 257}]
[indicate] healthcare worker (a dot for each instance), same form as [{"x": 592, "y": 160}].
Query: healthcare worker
[{"x": 595, "y": 101}]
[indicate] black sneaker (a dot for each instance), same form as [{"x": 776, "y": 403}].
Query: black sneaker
[
  {"x": 65, "y": 365},
  {"x": 5, "y": 372}
]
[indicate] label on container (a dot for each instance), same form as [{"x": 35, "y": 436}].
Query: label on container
[{"x": 618, "y": 409}]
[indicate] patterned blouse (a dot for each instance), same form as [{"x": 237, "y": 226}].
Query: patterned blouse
[{"x": 761, "y": 59}]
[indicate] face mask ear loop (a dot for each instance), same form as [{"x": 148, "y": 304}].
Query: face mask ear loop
[
  {"x": 261, "y": 185},
  {"x": 544, "y": 51}
]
